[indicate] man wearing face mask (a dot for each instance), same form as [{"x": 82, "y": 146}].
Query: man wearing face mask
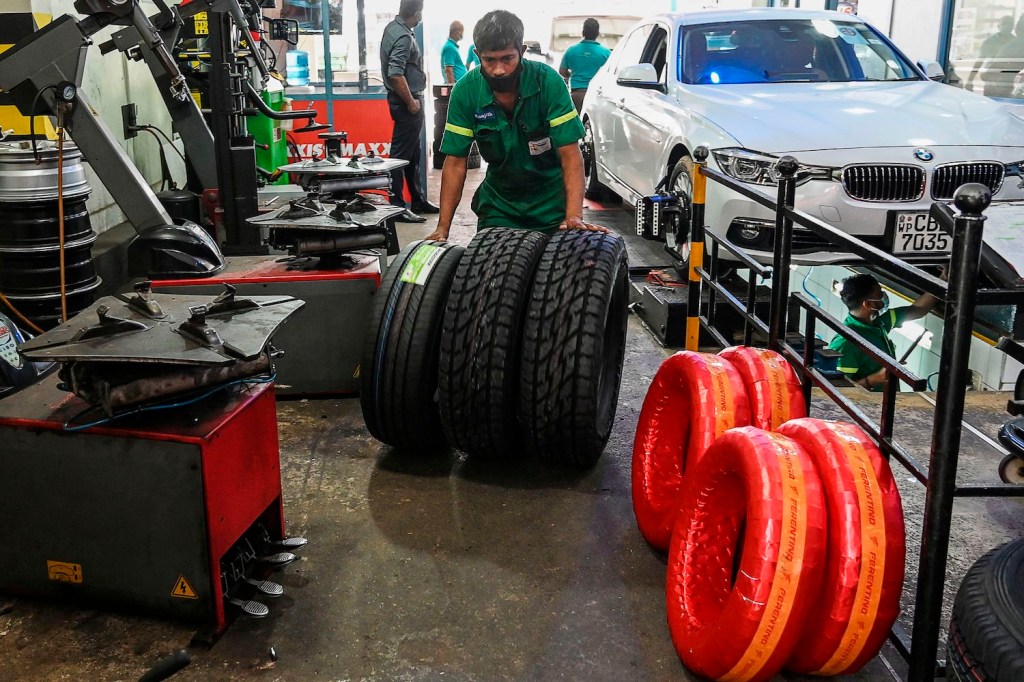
[
  {"x": 871, "y": 317},
  {"x": 402, "y": 67},
  {"x": 521, "y": 117}
]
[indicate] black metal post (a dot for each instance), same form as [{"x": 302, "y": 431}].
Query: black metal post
[
  {"x": 889, "y": 391},
  {"x": 805, "y": 377},
  {"x": 782, "y": 252},
  {"x": 971, "y": 200},
  {"x": 748, "y": 328},
  {"x": 364, "y": 74},
  {"x": 711, "y": 290}
]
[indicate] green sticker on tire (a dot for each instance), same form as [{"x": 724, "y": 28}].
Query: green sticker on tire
[{"x": 422, "y": 261}]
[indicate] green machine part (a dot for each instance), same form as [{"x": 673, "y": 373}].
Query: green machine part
[{"x": 269, "y": 135}]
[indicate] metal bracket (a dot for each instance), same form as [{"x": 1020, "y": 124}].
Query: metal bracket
[
  {"x": 143, "y": 301},
  {"x": 195, "y": 327},
  {"x": 227, "y": 304},
  {"x": 108, "y": 326}
]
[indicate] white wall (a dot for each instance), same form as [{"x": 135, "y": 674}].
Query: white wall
[{"x": 109, "y": 82}]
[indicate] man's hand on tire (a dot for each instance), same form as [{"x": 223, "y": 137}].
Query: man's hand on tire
[
  {"x": 577, "y": 223},
  {"x": 438, "y": 235}
]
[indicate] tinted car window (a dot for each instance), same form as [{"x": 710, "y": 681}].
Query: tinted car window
[{"x": 818, "y": 50}]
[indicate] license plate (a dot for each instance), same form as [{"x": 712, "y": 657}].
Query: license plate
[{"x": 918, "y": 233}]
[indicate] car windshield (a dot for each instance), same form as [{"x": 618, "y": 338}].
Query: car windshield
[{"x": 788, "y": 51}]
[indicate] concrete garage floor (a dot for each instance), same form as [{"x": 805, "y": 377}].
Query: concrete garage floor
[{"x": 449, "y": 569}]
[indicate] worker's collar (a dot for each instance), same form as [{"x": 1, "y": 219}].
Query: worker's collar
[
  {"x": 400, "y": 20},
  {"x": 588, "y": 40},
  {"x": 852, "y": 321},
  {"x": 453, "y": 41}
]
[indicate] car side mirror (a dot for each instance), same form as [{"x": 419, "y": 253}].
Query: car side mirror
[
  {"x": 643, "y": 76},
  {"x": 933, "y": 70}
]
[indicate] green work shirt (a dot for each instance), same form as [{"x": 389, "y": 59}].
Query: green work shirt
[
  {"x": 450, "y": 57},
  {"x": 583, "y": 60},
  {"x": 854, "y": 363},
  {"x": 471, "y": 58},
  {"x": 523, "y": 187}
]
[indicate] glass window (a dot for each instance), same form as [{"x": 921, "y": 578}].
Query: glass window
[
  {"x": 780, "y": 51},
  {"x": 656, "y": 53},
  {"x": 631, "y": 51},
  {"x": 987, "y": 48}
]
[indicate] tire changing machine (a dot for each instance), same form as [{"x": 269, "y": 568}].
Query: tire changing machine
[{"x": 171, "y": 512}]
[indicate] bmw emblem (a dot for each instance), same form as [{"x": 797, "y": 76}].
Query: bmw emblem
[{"x": 922, "y": 154}]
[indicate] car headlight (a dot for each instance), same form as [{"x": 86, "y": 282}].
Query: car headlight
[{"x": 761, "y": 169}]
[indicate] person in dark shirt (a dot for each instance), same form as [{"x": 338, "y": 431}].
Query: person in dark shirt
[
  {"x": 991, "y": 47},
  {"x": 402, "y": 71},
  {"x": 871, "y": 317}
]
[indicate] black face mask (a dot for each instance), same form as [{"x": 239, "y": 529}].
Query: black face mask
[{"x": 506, "y": 83}]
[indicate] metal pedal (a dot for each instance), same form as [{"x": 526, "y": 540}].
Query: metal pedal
[
  {"x": 288, "y": 543},
  {"x": 279, "y": 560},
  {"x": 251, "y": 608},
  {"x": 267, "y": 587}
]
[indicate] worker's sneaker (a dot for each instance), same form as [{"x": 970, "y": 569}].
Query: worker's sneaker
[
  {"x": 408, "y": 216},
  {"x": 424, "y": 207}
]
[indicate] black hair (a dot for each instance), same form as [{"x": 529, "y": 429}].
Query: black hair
[
  {"x": 410, "y": 7},
  {"x": 591, "y": 29},
  {"x": 498, "y": 30},
  {"x": 856, "y": 288}
]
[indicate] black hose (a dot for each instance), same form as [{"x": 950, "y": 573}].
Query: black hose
[{"x": 167, "y": 667}]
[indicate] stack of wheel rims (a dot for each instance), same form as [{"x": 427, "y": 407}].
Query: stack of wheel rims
[
  {"x": 785, "y": 536},
  {"x": 513, "y": 345}
]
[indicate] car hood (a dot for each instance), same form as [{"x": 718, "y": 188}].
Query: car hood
[{"x": 793, "y": 117}]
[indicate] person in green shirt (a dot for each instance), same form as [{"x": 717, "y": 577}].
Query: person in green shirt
[
  {"x": 581, "y": 61},
  {"x": 871, "y": 317},
  {"x": 520, "y": 115},
  {"x": 451, "y": 59},
  {"x": 471, "y": 58}
]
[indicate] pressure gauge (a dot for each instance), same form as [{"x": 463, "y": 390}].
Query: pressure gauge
[{"x": 67, "y": 91}]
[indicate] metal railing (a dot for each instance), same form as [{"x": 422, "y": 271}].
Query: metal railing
[{"x": 961, "y": 296}]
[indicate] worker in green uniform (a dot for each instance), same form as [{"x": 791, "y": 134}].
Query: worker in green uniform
[
  {"x": 520, "y": 115},
  {"x": 871, "y": 317},
  {"x": 451, "y": 60},
  {"x": 581, "y": 61},
  {"x": 471, "y": 58}
]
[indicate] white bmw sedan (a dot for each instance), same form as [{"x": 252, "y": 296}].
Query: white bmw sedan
[{"x": 876, "y": 139}]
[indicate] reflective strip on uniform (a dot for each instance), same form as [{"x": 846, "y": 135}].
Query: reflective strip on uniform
[
  {"x": 555, "y": 122},
  {"x": 458, "y": 130}
]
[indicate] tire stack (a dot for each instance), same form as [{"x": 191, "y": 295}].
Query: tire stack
[
  {"x": 442, "y": 93},
  {"x": 785, "y": 538},
  {"x": 521, "y": 335}
]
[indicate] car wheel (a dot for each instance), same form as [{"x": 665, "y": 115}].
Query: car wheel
[
  {"x": 594, "y": 189},
  {"x": 680, "y": 182}
]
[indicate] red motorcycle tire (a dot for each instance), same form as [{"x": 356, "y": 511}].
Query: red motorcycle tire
[
  {"x": 693, "y": 399},
  {"x": 866, "y": 556},
  {"x": 773, "y": 389},
  {"x": 746, "y": 557}
]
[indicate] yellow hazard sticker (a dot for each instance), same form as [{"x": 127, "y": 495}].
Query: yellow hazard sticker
[
  {"x": 182, "y": 589},
  {"x": 202, "y": 23},
  {"x": 63, "y": 572}
]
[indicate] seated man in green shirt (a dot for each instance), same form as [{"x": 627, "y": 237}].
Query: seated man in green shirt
[
  {"x": 871, "y": 317},
  {"x": 520, "y": 115}
]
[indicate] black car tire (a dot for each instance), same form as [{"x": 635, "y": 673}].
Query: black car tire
[
  {"x": 573, "y": 344},
  {"x": 398, "y": 375},
  {"x": 986, "y": 632},
  {"x": 481, "y": 341}
]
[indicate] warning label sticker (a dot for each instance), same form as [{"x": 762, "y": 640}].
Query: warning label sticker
[
  {"x": 182, "y": 589},
  {"x": 421, "y": 263},
  {"x": 63, "y": 572}
]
